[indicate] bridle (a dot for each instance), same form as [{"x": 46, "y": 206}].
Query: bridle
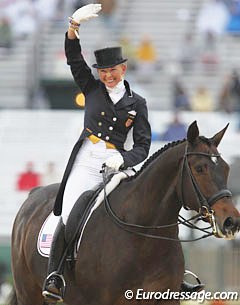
[{"x": 205, "y": 204}]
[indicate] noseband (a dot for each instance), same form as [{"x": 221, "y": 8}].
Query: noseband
[{"x": 205, "y": 204}]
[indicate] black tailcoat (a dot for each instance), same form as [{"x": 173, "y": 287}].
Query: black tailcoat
[{"x": 108, "y": 121}]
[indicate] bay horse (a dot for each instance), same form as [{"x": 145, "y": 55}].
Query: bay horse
[{"x": 112, "y": 260}]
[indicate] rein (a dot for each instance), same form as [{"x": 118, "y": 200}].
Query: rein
[
  {"x": 128, "y": 227},
  {"x": 205, "y": 204}
]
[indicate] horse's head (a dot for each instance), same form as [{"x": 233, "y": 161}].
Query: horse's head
[{"x": 205, "y": 188}]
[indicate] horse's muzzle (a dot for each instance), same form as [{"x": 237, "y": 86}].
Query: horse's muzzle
[{"x": 231, "y": 226}]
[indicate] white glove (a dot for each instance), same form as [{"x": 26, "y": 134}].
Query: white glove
[
  {"x": 86, "y": 12},
  {"x": 114, "y": 162}
]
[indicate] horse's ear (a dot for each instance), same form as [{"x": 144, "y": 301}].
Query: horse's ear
[
  {"x": 193, "y": 132},
  {"x": 218, "y": 136}
]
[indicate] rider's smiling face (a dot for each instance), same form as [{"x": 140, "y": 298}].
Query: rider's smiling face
[{"x": 113, "y": 75}]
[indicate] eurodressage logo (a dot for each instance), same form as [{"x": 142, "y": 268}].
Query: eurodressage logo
[{"x": 200, "y": 297}]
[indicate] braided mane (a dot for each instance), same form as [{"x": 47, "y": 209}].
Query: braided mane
[{"x": 155, "y": 155}]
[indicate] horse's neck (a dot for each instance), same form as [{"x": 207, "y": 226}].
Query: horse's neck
[{"x": 157, "y": 200}]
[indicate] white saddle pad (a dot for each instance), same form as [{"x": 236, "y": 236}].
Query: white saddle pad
[{"x": 46, "y": 234}]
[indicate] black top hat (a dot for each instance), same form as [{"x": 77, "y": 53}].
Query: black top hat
[{"x": 108, "y": 57}]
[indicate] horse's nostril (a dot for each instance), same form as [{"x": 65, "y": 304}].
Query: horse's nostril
[
  {"x": 238, "y": 223},
  {"x": 228, "y": 223}
]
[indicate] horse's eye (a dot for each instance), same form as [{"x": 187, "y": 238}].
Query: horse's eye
[{"x": 199, "y": 169}]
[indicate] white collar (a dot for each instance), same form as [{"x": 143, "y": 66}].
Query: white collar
[{"x": 120, "y": 87}]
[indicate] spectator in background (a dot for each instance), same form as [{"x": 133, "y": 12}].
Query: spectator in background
[
  {"x": 50, "y": 175},
  {"x": 5, "y": 34},
  {"x": 234, "y": 88},
  {"x": 176, "y": 130},
  {"x": 28, "y": 179},
  {"x": 23, "y": 18},
  {"x": 202, "y": 100},
  {"x": 213, "y": 17},
  {"x": 209, "y": 52},
  {"x": 225, "y": 103},
  {"x": 229, "y": 99},
  {"x": 180, "y": 96},
  {"x": 146, "y": 55},
  {"x": 187, "y": 53},
  {"x": 129, "y": 52},
  {"x": 233, "y": 25},
  {"x": 211, "y": 23},
  {"x": 230, "y": 95}
]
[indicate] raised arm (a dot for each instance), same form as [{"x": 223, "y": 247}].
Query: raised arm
[{"x": 81, "y": 72}]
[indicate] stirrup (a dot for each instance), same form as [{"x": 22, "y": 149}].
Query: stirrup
[
  {"x": 186, "y": 287},
  {"x": 52, "y": 296}
]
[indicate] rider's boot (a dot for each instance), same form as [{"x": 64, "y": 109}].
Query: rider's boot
[
  {"x": 54, "y": 285},
  {"x": 187, "y": 287}
]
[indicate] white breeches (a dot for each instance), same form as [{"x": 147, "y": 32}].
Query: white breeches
[{"x": 85, "y": 174}]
